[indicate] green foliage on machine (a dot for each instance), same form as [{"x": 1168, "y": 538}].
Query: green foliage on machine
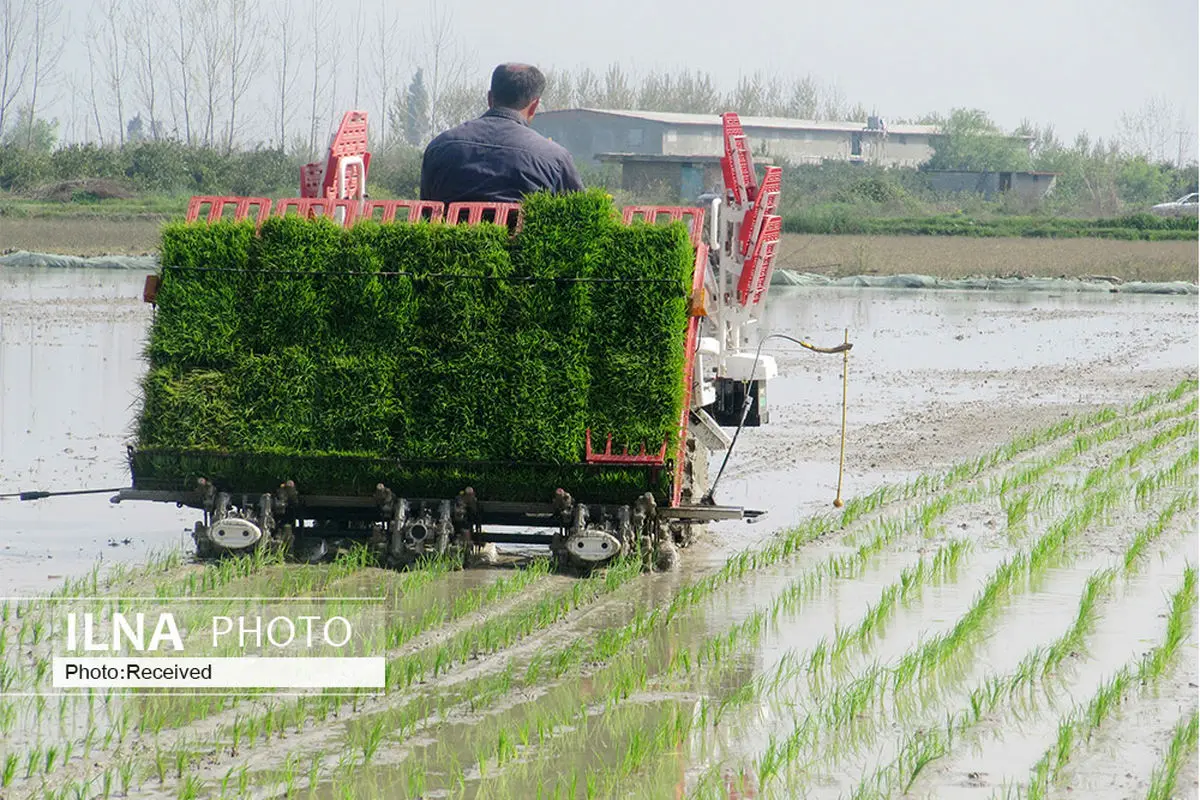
[{"x": 426, "y": 356}]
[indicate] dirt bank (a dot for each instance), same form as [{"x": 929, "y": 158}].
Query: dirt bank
[
  {"x": 960, "y": 256},
  {"x": 80, "y": 236}
]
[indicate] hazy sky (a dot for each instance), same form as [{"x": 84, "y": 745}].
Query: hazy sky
[{"x": 1077, "y": 64}]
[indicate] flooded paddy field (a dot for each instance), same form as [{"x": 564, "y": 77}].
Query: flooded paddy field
[{"x": 1005, "y": 607}]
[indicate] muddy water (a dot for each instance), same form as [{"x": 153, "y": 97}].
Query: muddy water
[
  {"x": 933, "y": 374},
  {"x": 933, "y": 377},
  {"x": 70, "y": 365}
]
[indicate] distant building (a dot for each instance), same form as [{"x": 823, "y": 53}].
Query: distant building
[
  {"x": 677, "y": 178},
  {"x": 1027, "y": 185},
  {"x": 588, "y": 133}
]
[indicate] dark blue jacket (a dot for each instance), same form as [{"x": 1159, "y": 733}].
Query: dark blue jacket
[{"x": 496, "y": 158}]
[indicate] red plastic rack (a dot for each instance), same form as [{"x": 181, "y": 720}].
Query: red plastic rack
[
  {"x": 507, "y": 214},
  {"x": 693, "y": 216},
  {"x": 216, "y": 206},
  {"x": 414, "y": 210},
  {"x": 318, "y": 207}
]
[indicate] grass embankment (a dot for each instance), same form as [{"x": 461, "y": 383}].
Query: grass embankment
[
  {"x": 966, "y": 257},
  {"x": 945, "y": 246},
  {"x": 1143, "y": 227}
]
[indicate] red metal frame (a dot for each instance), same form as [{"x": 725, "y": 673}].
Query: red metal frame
[
  {"x": 310, "y": 179},
  {"x": 691, "y": 342},
  {"x": 503, "y": 214},
  {"x": 320, "y": 180},
  {"x": 416, "y": 210},
  {"x": 693, "y": 216}
]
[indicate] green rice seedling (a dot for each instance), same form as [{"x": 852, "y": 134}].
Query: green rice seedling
[
  {"x": 51, "y": 759},
  {"x": 9, "y": 769},
  {"x": 371, "y": 740},
  {"x": 314, "y": 769},
  {"x": 392, "y": 365},
  {"x": 190, "y": 788},
  {"x": 160, "y": 765},
  {"x": 125, "y": 772},
  {"x": 648, "y": 623},
  {"x": 1182, "y": 746},
  {"x": 32, "y": 759},
  {"x": 1083, "y": 721}
]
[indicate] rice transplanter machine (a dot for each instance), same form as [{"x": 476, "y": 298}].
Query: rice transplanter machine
[{"x": 725, "y": 373}]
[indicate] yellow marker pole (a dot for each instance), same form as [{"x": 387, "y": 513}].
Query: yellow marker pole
[{"x": 837, "y": 501}]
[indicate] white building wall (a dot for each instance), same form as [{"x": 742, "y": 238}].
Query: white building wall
[{"x": 798, "y": 146}]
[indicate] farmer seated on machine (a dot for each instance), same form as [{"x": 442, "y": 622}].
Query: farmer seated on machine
[{"x": 498, "y": 158}]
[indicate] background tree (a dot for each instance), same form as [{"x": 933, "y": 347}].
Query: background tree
[
  {"x": 29, "y": 133},
  {"x": 181, "y": 73},
  {"x": 286, "y": 71},
  {"x": 15, "y": 20},
  {"x": 113, "y": 50},
  {"x": 969, "y": 140},
  {"x": 445, "y": 61},
  {"x": 43, "y": 55},
  {"x": 1149, "y": 131},
  {"x": 416, "y": 110},
  {"x": 384, "y": 66},
  {"x": 145, "y": 32},
  {"x": 243, "y": 50}
]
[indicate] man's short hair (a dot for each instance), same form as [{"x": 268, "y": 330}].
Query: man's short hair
[{"x": 517, "y": 85}]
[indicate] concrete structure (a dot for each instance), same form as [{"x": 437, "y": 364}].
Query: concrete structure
[
  {"x": 674, "y": 178},
  {"x": 1027, "y": 185},
  {"x": 587, "y": 133}
]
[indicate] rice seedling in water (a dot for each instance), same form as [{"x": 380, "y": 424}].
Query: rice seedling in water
[
  {"x": 9, "y": 770},
  {"x": 1182, "y": 746},
  {"x": 371, "y": 740},
  {"x": 1080, "y": 724},
  {"x": 1008, "y": 576}
]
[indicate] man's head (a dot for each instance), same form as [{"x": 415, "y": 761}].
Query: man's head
[{"x": 517, "y": 86}]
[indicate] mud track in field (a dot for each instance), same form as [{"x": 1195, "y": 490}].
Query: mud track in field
[{"x": 936, "y": 379}]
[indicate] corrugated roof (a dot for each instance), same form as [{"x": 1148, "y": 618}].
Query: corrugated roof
[{"x": 714, "y": 120}]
